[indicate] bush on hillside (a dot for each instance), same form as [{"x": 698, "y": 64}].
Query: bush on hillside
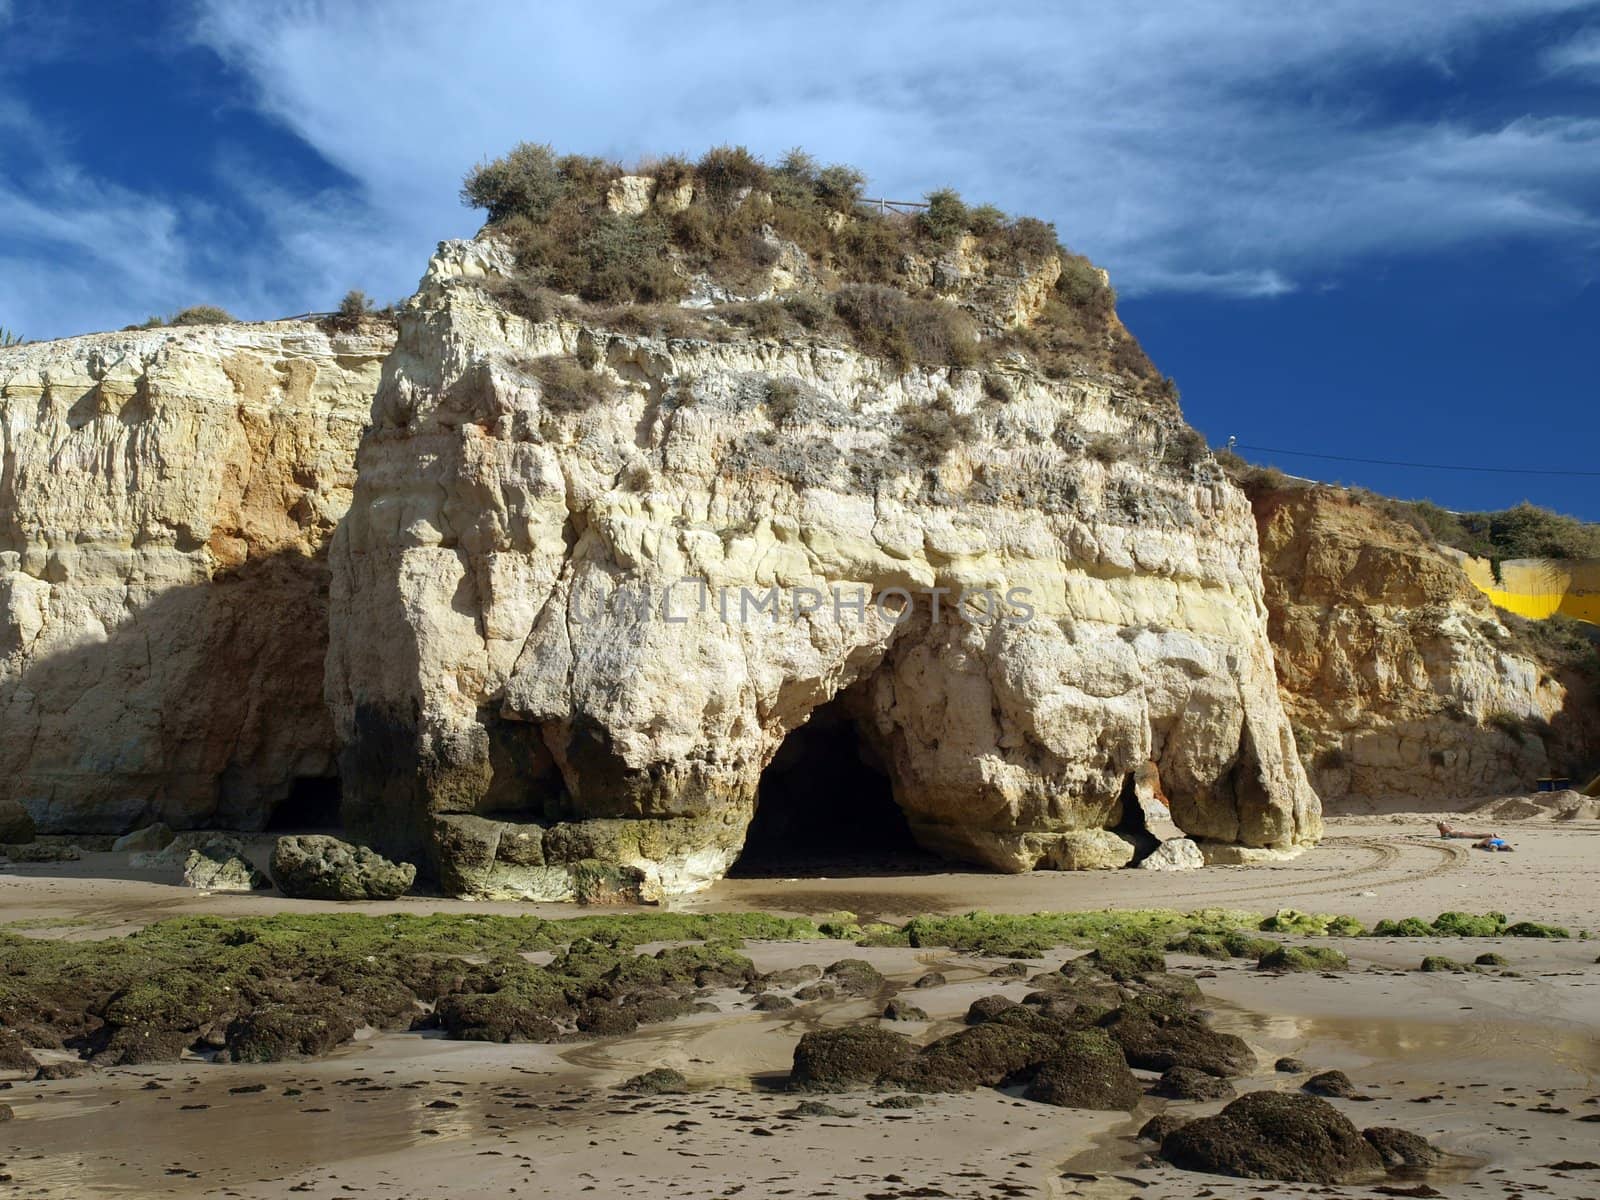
[
  {"x": 729, "y": 228},
  {"x": 903, "y": 329},
  {"x": 203, "y": 314}
]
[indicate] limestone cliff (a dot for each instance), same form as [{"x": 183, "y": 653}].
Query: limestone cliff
[
  {"x": 514, "y": 714},
  {"x": 1403, "y": 682},
  {"x": 165, "y": 503}
]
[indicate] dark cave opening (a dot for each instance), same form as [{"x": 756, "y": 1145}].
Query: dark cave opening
[
  {"x": 312, "y": 805},
  {"x": 824, "y": 806}
]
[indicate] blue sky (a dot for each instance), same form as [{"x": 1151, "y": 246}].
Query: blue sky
[{"x": 1350, "y": 227}]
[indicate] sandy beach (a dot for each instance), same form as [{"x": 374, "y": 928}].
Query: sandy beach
[{"x": 1498, "y": 1069}]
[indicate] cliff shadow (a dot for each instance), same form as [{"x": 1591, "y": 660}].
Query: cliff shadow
[
  {"x": 202, "y": 707},
  {"x": 825, "y": 806}
]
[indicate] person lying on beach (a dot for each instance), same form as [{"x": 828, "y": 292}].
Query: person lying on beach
[
  {"x": 1493, "y": 843},
  {"x": 1446, "y": 832}
]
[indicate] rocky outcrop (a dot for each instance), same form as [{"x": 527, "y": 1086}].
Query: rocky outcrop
[
  {"x": 15, "y": 823},
  {"x": 318, "y": 867},
  {"x": 221, "y": 865},
  {"x": 1402, "y": 680},
  {"x": 165, "y": 501},
  {"x": 591, "y": 580}
]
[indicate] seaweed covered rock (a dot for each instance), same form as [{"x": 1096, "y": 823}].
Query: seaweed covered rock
[
  {"x": 832, "y": 1059},
  {"x": 987, "y": 1008},
  {"x": 1159, "y": 1035},
  {"x": 901, "y": 1010},
  {"x": 319, "y": 867},
  {"x": 1401, "y": 1147},
  {"x": 1335, "y": 1084},
  {"x": 1087, "y": 1070},
  {"x": 1303, "y": 958},
  {"x": 493, "y": 1017},
  {"x": 275, "y": 1032},
  {"x": 15, "y": 1054},
  {"x": 662, "y": 1081},
  {"x": 1275, "y": 1135},
  {"x": 986, "y": 1055},
  {"x": 131, "y": 1045},
  {"x": 1186, "y": 1083},
  {"x": 854, "y": 977},
  {"x": 1127, "y": 964},
  {"x": 1158, "y": 1126}
]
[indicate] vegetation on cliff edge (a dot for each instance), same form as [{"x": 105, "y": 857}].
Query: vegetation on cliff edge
[{"x": 881, "y": 279}]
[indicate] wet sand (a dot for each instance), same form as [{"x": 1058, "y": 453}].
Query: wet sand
[
  {"x": 1499, "y": 1070},
  {"x": 1369, "y": 867}
]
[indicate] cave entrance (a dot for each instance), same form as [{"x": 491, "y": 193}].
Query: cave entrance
[
  {"x": 312, "y": 805},
  {"x": 825, "y": 807}
]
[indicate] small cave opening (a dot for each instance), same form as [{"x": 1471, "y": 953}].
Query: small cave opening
[
  {"x": 312, "y": 806},
  {"x": 825, "y": 806}
]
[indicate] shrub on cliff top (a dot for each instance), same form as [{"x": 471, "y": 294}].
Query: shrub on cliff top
[
  {"x": 732, "y": 225},
  {"x": 523, "y": 183},
  {"x": 203, "y": 314}
]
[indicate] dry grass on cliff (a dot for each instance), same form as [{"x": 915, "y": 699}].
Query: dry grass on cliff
[
  {"x": 727, "y": 218},
  {"x": 567, "y": 385}
]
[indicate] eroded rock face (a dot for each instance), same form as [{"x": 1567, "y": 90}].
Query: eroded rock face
[
  {"x": 165, "y": 502},
  {"x": 1401, "y": 679},
  {"x": 520, "y": 706},
  {"x": 319, "y": 867}
]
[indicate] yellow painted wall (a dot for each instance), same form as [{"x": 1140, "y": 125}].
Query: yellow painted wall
[{"x": 1540, "y": 587}]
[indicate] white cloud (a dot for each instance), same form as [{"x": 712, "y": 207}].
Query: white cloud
[
  {"x": 1220, "y": 146},
  {"x": 1176, "y": 144}
]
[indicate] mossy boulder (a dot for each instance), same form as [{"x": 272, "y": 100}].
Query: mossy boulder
[
  {"x": 1533, "y": 929},
  {"x": 1186, "y": 1083},
  {"x": 1199, "y": 945},
  {"x": 835, "y": 1059},
  {"x": 601, "y": 1018},
  {"x": 1330, "y": 1083},
  {"x": 854, "y": 977},
  {"x": 1438, "y": 962},
  {"x": 1157, "y": 1127},
  {"x": 15, "y": 1056},
  {"x": 901, "y": 1010},
  {"x": 1491, "y": 959},
  {"x": 319, "y": 867},
  {"x": 1086, "y": 1071},
  {"x": 1126, "y": 964},
  {"x": 1289, "y": 920},
  {"x": 222, "y": 866},
  {"x": 1159, "y": 1036},
  {"x": 986, "y": 1055},
  {"x": 987, "y": 1008},
  {"x": 1400, "y": 1148},
  {"x": 1460, "y": 924},
  {"x": 662, "y": 1081},
  {"x": 1275, "y": 1135},
  {"x": 495, "y": 1017},
  {"x": 133, "y": 1045},
  {"x": 275, "y": 1032},
  {"x": 1303, "y": 958}
]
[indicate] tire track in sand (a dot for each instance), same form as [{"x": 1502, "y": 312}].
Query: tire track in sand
[{"x": 1379, "y": 870}]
